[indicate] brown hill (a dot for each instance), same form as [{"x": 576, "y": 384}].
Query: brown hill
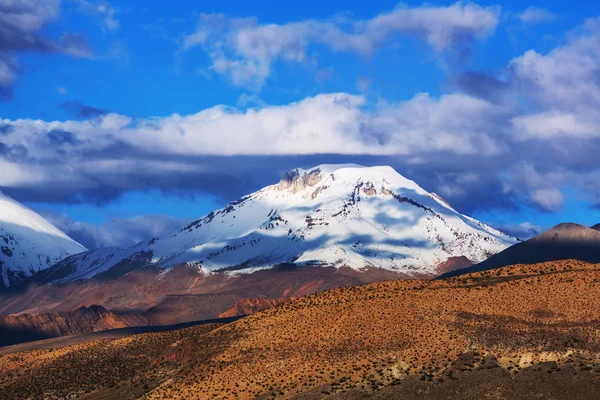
[
  {"x": 563, "y": 242},
  {"x": 182, "y": 294},
  {"x": 596, "y": 227},
  {"x": 27, "y": 327},
  {"x": 521, "y": 332}
]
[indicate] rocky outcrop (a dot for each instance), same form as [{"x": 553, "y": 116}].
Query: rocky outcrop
[
  {"x": 251, "y": 305},
  {"x": 369, "y": 189},
  {"x": 295, "y": 182},
  {"x": 453, "y": 264},
  {"x": 26, "y": 327}
]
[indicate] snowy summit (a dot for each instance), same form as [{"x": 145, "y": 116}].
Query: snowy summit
[
  {"x": 28, "y": 242},
  {"x": 336, "y": 215}
]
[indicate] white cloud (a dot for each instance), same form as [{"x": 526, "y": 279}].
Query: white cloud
[
  {"x": 456, "y": 123},
  {"x": 563, "y": 87},
  {"x": 535, "y": 15},
  {"x": 550, "y": 199},
  {"x": 547, "y": 125},
  {"x": 244, "y": 50},
  {"x": 328, "y": 123}
]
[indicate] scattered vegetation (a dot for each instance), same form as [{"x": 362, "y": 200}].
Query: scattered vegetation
[{"x": 382, "y": 339}]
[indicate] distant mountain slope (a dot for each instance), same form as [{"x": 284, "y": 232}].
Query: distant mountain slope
[
  {"x": 28, "y": 242},
  {"x": 337, "y": 215},
  {"x": 564, "y": 241},
  {"x": 27, "y": 327}
]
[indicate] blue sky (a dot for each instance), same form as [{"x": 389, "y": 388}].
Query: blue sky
[{"x": 113, "y": 114}]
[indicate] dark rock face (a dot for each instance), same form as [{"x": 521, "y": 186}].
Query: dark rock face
[
  {"x": 288, "y": 179},
  {"x": 596, "y": 227},
  {"x": 312, "y": 178},
  {"x": 563, "y": 242}
]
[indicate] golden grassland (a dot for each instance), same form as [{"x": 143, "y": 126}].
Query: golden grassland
[{"x": 518, "y": 331}]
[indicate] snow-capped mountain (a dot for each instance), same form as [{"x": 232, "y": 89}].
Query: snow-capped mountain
[
  {"x": 336, "y": 215},
  {"x": 28, "y": 242}
]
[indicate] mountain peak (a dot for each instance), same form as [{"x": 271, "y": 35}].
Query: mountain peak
[
  {"x": 569, "y": 232},
  {"x": 596, "y": 227},
  {"x": 375, "y": 177},
  {"x": 336, "y": 215}
]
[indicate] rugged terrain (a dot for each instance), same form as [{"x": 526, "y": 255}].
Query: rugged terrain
[
  {"x": 563, "y": 242},
  {"x": 181, "y": 294},
  {"x": 28, "y": 242},
  {"x": 520, "y": 332}
]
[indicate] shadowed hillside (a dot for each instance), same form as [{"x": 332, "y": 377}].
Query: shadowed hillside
[
  {"x": 563, "y": 242},
  {"x": 27, "y": 327}
]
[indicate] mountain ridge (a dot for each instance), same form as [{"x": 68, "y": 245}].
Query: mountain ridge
[
  {"x": 28, "y": 242},
  {"x": 562, "y": 242}
]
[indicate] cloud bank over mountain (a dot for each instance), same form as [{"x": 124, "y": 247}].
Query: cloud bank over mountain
[{"x": 532, "y": 151}]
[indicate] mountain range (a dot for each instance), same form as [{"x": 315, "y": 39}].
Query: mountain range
[{"x": 316, "y": 229}]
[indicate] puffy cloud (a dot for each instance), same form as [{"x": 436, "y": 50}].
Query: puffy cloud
[
  {"x": 325, "y": 124},
  {"x": 563, "y": 87},
  {"x": 535, "y": 15},
  {"x": 117, "y": 231},
  {"x": 244, "y": 50},
  {"x": 230, "y": 152}
]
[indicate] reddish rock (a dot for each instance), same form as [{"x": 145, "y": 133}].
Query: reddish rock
[
  {"x": 251, "y": 305},
  {"x": 25, "y": 327}
]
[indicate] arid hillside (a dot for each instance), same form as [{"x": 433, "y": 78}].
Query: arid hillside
[{"x": 520, "y": 332}]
